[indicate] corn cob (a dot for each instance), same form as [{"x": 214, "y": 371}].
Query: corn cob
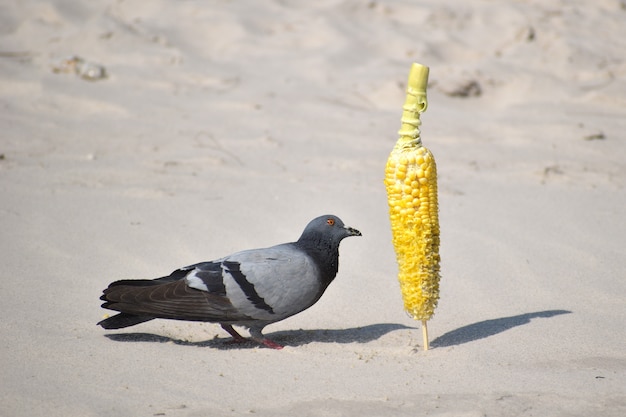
[{"x": 411, "y": 182}]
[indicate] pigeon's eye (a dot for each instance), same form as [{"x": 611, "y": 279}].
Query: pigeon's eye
[{"x": 330, "y": 222}]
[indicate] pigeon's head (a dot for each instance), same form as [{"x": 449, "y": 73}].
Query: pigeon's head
[
  {"x": 321, "y": 239},
  {"x": 328, "y": 228}
]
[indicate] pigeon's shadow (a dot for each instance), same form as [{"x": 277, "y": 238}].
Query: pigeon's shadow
[
  {"x": 288, "y": 338},
  {"x": 487, "y": 328}
]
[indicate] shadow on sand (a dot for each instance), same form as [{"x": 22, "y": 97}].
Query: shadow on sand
[
  {"x": 364, "y": 334},
  {"x": 289, "y": 338},
  {"x": 487, "y": 328}
]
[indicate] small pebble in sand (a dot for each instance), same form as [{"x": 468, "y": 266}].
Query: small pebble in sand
[{"x": 86, "y": 70}]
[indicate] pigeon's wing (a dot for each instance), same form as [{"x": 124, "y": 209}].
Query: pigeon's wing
[
  {"x": 272, "y": 283},
  {"x": 173, "y": 298}
]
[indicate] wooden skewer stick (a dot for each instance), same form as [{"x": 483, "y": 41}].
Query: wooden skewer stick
[{"x": 425, "y": 334}]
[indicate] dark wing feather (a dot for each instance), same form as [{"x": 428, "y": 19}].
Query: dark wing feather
[
  {"x": 211, "y": 275},
  {"x": 174, "y": 276},
  {"x": 171, "y": 300},
  {"x": 122, "y": 320}
]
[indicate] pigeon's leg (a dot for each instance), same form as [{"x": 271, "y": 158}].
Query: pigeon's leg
[
  {"x": 258, "y": 337},
  {"x": 237, "y": 338}
]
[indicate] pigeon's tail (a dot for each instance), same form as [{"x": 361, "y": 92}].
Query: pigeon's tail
[{"x": 121, "y": 320}]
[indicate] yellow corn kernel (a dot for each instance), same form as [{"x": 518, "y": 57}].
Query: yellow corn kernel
[{"x": 411, "y": 182}]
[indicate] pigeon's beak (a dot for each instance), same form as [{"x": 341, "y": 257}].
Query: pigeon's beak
[{"x": 352, "y": 232}]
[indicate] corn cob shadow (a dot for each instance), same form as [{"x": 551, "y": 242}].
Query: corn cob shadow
[
  {"x": 487, "y": 328},
  {"x": 290, "y": 337}
]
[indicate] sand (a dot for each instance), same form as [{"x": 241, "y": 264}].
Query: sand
[{"x": 227, "y": 125}]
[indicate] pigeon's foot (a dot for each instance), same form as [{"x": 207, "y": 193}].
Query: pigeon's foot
[
  {"x": 237, "y": 338},
  {"x": 257, "y": 336},
  {"x": 270, "y": 344}
]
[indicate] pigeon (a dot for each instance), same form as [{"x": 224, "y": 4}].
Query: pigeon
[{"x": 252, "y": 288}]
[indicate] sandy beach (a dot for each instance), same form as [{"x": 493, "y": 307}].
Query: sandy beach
[{"x": 137, "y": 137}]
